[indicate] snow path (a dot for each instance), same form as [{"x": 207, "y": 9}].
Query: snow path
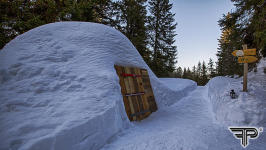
[{"x": 187, "y": 124}]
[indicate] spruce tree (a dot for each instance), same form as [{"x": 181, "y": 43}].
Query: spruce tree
[
  {"x": 229, "y": 41},
  {"x": 198, "y": 73},
  {"x": 179, "y": 72},
  {"x": 184, "y": 73},
  {"x": 204, "y": 78},
  {"x": 161, "y": 25},
  {"x": 189, "y": 74},
  {"x": 194, "y": 73},
  {"x": 130, "y": 18},
  {"x": 211, "y": 69}
]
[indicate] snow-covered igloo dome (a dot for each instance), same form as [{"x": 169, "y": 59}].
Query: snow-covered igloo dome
[{"x": 59, "y": 89}]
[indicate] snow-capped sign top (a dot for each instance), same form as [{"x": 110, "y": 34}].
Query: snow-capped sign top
[{"x": 59, "y": 88}]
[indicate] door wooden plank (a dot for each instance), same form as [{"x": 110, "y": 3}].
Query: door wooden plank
[
  {"x": 138, "y": 97},
  {"x": 131, "y": 103},
  {"x": 123, "y": 90},
  {"x": 132, "y": 90},
  {"x": 148, "y": 90},
  {"x": 141, "y": 89}
]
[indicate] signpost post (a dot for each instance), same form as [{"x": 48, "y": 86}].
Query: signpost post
[
  {"x": 245, "y": 77},
  {"x": 244, "y": 57}
]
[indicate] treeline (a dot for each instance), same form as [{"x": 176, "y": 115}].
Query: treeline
[
  {"x": 201, "y": 73},
  {"x": 148, "y": 24},
  {"x": 245, "y": 25}
]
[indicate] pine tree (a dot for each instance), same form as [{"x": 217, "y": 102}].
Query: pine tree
[
  {"x": 211, "y": 69},
  {"x": 204, "y": 78},
  {"x": 131, "y": 20},
  {"x": 229, "y": 41},
  {"x": 189, "y": 74},
  {"x": 184, "y": 73},
  {"x": 198, "y": 72},
  {"x": 179, "y": 72},
  {"x": 194, "y": 73},
  {"x": 161, "y": 25}
]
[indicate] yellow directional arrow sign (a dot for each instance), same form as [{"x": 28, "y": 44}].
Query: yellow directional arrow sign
[
  {"x": 245, "y": 52},
  {"x": 247, "y": 59},
  {"x": 248, "y": 52}
]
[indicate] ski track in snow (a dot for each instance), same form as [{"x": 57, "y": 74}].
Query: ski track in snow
[{"x": 186, "y": 125}]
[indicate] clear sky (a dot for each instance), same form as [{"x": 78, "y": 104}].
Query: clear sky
[{"x": 198, "y": 30}]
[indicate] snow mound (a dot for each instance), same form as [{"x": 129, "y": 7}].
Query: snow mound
[
  {"x": 59, "y": 89},
  {"x": 248, "y": 108},
  {"x": 180, "y": 88}
]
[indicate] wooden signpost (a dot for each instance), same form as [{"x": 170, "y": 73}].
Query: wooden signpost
[{"x": 244, "y": 57}]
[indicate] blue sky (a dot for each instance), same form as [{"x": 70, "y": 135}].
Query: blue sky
[{"x": 198, "y": 29}]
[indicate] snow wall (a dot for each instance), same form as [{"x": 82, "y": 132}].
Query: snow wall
[
  {"x": 59, "y": 89},
  {"x": 248, "y": 108}
]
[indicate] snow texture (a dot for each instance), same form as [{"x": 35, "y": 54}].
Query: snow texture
[
  {"x": 180, "y": 88},
  {"x": 59, "y": 89},
  {"x": 249, "y": 108}
]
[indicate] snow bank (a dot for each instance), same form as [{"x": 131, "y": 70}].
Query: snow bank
[
  {"x": 248, "y": 108},
  {"x": 59, "y": 88},
  {"x": 180, "y": 88}
]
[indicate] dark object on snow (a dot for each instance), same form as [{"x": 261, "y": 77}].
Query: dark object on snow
[{"x": 233, "y": 94}]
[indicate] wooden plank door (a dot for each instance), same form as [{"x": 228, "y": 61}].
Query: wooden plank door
[{"x": 137, "y": 93}]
